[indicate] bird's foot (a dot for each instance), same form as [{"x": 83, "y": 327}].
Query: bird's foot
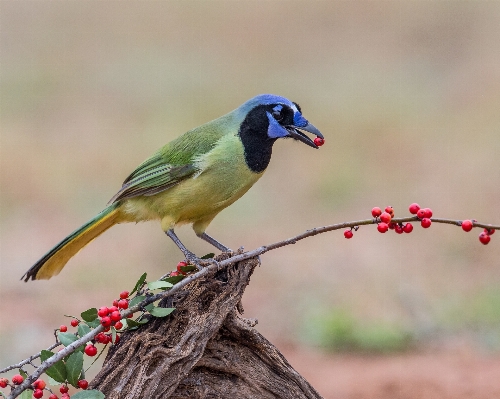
[{"x": 192, "y": 259}]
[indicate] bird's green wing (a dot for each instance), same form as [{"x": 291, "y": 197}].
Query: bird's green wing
[
  {"x": 153, "y": 180},
  {"x": 171, "y": 164}
]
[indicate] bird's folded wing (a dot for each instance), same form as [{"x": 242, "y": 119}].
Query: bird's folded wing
[{"x": 152, "y": 177}]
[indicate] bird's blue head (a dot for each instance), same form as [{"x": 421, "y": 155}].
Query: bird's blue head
[
  {"x": 266, "y": 118},
  {"x": 281, "y": 117}
]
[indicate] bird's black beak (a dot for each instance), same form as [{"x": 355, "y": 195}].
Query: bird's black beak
[{"x": 293, "y": 132}]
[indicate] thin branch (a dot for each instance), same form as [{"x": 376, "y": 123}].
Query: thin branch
[
  {"x": 28, "y": 360},
  {"x": 212, "y": 266}
]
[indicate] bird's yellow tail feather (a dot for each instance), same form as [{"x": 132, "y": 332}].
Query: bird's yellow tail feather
[{"x": 54, "y": 261}]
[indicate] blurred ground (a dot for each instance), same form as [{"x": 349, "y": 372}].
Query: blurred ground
[
  {"x": 407, "y": 95},
  {"x": 437, "y": 375}
]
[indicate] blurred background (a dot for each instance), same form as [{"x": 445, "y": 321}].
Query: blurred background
[{"x": 407, "y": 94}]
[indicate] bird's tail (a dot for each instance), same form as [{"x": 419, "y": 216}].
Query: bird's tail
[{"x": 54, "y": 261}]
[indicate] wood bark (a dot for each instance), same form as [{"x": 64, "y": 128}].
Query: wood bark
[{"x": 204, "y": 349}]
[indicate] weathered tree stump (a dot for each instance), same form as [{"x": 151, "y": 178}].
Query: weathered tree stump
[{"x": 204, "y": 349}]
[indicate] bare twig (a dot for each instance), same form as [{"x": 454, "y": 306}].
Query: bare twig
[
  {"x": 208, "y": 269},
  {"x": 28, "y": 360}
]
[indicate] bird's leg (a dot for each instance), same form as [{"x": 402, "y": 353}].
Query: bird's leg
[
  {"x": 214, "y": 242},
  {"x": 190, "y": 257}
]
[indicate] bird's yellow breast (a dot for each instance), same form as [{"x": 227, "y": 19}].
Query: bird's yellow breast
[{"x": 222, "y": 178}]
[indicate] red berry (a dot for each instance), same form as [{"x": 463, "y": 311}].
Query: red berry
[
  {"x": 174, "y": 273},
  {"x": 390, "y": 210},
  {"x": 74, "y": 322},
  {"x": 115, "y": 302},
  {"x": 376, "y": 212},
  {"x": 348, "y": 233},
  {"x": 408, "y": 228},
  {"x": 115, "y": 316},
  {"x": 38, "y": 393},
  {"x": 118, "y": 325},
  {"x": 117, "y": 339},
  {"x": 428, "y": 213},
  {"x": 17, "y": 379},
  {"x": 123, "y": 304},
  {"x": 63, "y": 328},
  {"x": 64, "y": 388},
  {"x": 90, "y": 350},
  {"x": 399, "y": 229},
  {"x": 382, "y": 227},
  {"x": 53, "y": 396},
  {"x": 112, "y": 309},
  {"x": 39, "y": 384},
  {"x": 102, "y": 312},
  {"x": 425, "y": 222},
  {"x": 319, "y": 141},
  {"x": 421, "y": 213},
  {"x": 106, "y": 329},
  {"x": 179, "y": 265},
  {"x": 385, "y": 217},
  {"x": 3, "y": 382},
  {"x": 83, "y": 384},
  {"x": 392, "y": 226},
  {"x": 106, "y": 321},
  {"x": 467, "y": 225},
  {"x": 65, "y": 396},
  {"x": 99, "y": 338},
  {"x": 484, "y": 238},
  {"x": 124, "y": 294},
  {"x": 490, "y": 232},
  {"x": 108, "y": 338},
  {"x": 414, "y": 208},
  {"x": 130, "y": 316}
]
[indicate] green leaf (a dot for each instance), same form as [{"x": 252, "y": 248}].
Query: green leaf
[
  {"x": 83, "y": 329},
  {"x": 208, "y": 256},
  {"x": 139, "y": 283},
  {"x": 57, "y": 371},
  {"x": 93, "y": 324},
  {"x": 27, "y": 394},
  {"x": 149, "y": 307},
  {"x": 186, "y": 269},
  {"x": 45, "y": 354},
  {"x": 173, "y": 279},
  {"x": 161, "y": 312},
  {"x": 154, "y": 285},
  {"x": 132, "y": 323},
  {"x": 23, "y": 373},
  {"x": 74, "y": 366},
  {"x": 113, "y": 334},
  {"x": 134, "y": 301},
  {"x": 90, "y": 394},
  {"x": 89, "y": 315},
  {"x": 67, "y": 338}
]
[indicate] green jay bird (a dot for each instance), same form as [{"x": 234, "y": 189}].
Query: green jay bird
[{"x": 192, "y": 178}]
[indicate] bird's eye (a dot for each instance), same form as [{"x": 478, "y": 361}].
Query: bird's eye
[{"x": 277, "y": 113}]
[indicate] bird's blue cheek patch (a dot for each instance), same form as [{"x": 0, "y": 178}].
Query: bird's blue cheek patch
[
  {"x": 275, "y": 130},
  {"x": 299, "y": 120}
]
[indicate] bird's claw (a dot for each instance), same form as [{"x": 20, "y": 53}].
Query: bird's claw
[{"x": 192, "y": 259}]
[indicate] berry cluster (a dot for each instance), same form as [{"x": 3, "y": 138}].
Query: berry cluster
[
  {"x": 40, "y": 385},
  {"x": 424, "y": 214},
  {"x": 109, "y": 317},
  {"x": 385, "y": 221}
]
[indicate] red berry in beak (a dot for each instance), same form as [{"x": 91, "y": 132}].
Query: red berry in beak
[{"x": 319, "y": 141}]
